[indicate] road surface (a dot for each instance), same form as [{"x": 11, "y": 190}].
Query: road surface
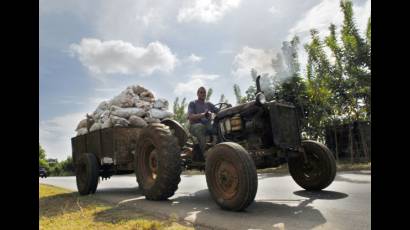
[{"x": 279, "y": 204}]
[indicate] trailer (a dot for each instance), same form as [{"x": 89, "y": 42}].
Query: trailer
[{"x": 113, "y": 151}]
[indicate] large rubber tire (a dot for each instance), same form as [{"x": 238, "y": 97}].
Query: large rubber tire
[
  {"x": 231, "y": 176},
  {"x": 158, "y": 162},
  {"x": 87, "y": 174},
  {"x": 320, "y": 170}
]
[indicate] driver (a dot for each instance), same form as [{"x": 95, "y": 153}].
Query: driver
[{"x": 199, "y": 115}]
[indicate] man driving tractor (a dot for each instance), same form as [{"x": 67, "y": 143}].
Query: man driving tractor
[{"x": 199, "y": 116}]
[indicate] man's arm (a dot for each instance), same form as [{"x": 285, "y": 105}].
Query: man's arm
[
  {"x": 196, "y": 117},
  {"x": 192, "y": 116}
]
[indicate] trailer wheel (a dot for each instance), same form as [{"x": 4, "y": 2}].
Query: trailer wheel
[
  {"x": 87, "y": 174},
  {"x": 320, "y": 170},
  {"x": 158, "y": 162},
  {"x": 231, "y": 176}
]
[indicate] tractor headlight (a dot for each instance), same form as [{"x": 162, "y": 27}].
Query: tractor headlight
[{"x": 260, "y": 98}]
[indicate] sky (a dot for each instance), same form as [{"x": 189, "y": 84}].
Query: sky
[{"x": 92, "y": 50}]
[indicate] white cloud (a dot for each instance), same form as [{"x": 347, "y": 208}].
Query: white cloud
[
  {"x": 328, "y": 11},
  {"x": 362, "y": 14},
  {"x": 196, "y": 81},
  {"x": 205, "y": 76},
  {"x": 273, "y": 10},
  {"x": 208, "y": 11},
  {"x": 117, "y": 56},
  {"x": 225, "y": 51},
  {"x": 250, "y": 58},
  {"x": 320, "y": 17},
  {"x": 189, "y": 87},
  {"x": 55, "y": 134},
  {"x": 193, "y": 58}
]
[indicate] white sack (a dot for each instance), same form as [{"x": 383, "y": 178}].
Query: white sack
[
  {"x": 142, "y": 104},
  {"x": 95, "y": 126},
  {"x": 81, "y": 124},
  {"x": 152, "y": 120},
  {"x": 160, "y": 114},
  {"x": 119, "y": 121},
  {"x": 161, "y": 103},
  {"x": 81, "y": 131},
  {"x": 138, "y": 89},
  {"x": 136, "y": 121},
  {"x": 106, "y": 123},
  {"x": 103, "y": 105},
  {"x": 127, "y": 112},
  {"x": 124, "y": 99}
]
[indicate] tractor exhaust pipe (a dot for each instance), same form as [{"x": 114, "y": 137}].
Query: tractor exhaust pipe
[{"x": 258, "y": 85}]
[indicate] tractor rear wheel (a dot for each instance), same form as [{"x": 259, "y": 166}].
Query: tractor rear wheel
[
  {"x": 320, "y": 169},
  {"x": 231, "y": 176},
  {"x": 87, "y": 174},
  {"x": 158, "y": 162}
]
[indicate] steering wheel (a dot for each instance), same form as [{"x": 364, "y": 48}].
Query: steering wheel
[{"x": 223, "y": 103}]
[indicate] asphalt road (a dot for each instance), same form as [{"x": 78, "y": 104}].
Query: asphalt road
[{"x": 279, "y": 204}]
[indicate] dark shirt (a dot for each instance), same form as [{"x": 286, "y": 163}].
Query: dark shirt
[{"x": 196, "y": 107}]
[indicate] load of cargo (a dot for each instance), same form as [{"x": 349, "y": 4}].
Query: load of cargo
[{"x": 136, "y": 106}]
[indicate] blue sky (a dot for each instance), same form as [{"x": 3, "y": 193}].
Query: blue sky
[{"x": 91, "y": 50}]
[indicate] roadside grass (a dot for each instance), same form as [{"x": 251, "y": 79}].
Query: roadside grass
[
  {"x": 283, "y": 169},
  {"x": 64, "y": 209}
]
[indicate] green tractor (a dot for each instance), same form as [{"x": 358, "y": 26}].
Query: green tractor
[{"x": 250, "y": 136}]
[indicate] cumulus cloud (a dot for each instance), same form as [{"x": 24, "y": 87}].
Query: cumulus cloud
[
  {"x": 194, "y": 83},
  {"x": 249, "y": 58},
  {"x": 208, "y": 11},
  {"x": 117, "y": 56}
]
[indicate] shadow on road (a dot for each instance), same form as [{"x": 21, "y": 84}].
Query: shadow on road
[
  {"x": 200, "y": 209},
  {"x": 321, "y": 195},
  {"x": 121, "y": 191}
]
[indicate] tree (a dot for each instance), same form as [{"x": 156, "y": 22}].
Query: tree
[
  {"x": 369, "y": 32},
  {"x": 209, "y": 94},
  {"x": 180, "y": 114},
  {"x": 239, "y": 98},
  {"x": 42, "y": 158},
  {"x": 67, "y": 166},
  {"x": 319, "y": 94},
  {"x": 338, "y": 85},
  {"x": 250, "y": 92},
  {"x": 357, "y": 64}
]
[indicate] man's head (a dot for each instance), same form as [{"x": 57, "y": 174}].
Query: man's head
[{"x": 201, "y": 93}]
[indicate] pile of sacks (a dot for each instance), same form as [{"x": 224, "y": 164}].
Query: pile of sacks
[{"x": 133, "y": 107}]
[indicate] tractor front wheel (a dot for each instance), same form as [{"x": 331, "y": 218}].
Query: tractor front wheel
[
  {"x": 231, "y": 176},
  {"x": 320, "y": 169}
]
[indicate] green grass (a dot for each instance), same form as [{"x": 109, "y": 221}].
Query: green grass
[{"x": 63, "y": 209}]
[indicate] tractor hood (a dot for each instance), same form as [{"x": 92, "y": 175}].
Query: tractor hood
[{"x": 243, "y": 109}]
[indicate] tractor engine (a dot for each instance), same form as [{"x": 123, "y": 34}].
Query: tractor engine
[{"x": 265, "y": 131}]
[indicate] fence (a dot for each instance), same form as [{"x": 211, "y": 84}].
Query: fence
[{"x": 350, "y": 141}]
